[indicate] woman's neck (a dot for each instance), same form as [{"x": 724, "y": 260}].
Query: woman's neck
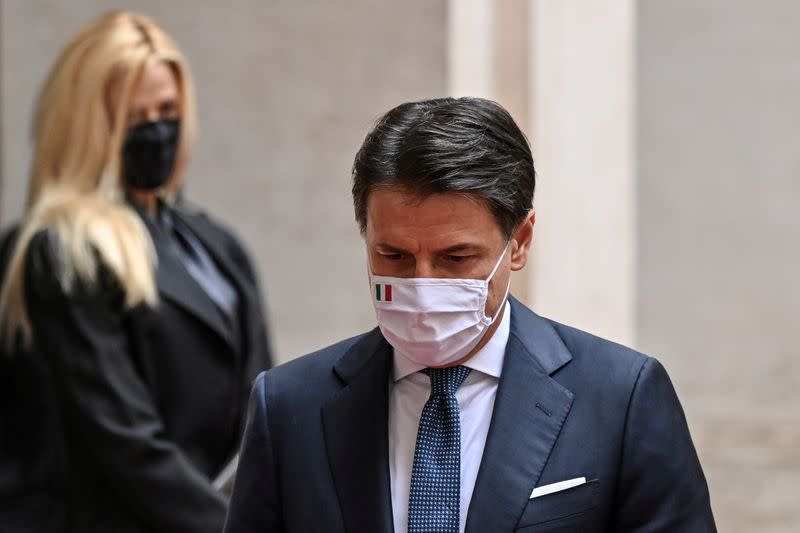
[{"x": 146, "y": 200}]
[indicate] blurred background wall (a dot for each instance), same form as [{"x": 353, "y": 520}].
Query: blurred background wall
[
  {"x": 665, "y": 137},
  {"x": 286, "y": 92}
]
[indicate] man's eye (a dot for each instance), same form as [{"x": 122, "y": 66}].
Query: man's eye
[
  {"x": 392, "y": 257},
  {"x": 458, "y": 258}
]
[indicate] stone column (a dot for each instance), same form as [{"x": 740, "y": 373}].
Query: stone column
[{"x": 582, "y": 119}]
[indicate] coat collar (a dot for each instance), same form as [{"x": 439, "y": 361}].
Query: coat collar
[
  {"x": 177, "y": 285},
  {"x": 539, "y": 338}
]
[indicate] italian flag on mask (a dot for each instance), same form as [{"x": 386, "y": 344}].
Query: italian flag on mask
[{"x": 383, "y": 292}]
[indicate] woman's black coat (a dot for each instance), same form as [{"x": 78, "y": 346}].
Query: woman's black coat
[{"x": 152, "y": 401}]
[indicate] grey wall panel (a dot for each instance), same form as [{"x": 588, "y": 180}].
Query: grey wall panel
[{"x": 719, "y": 239}]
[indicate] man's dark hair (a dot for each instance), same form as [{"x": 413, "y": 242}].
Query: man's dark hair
[{"x": 469, "y": 146}]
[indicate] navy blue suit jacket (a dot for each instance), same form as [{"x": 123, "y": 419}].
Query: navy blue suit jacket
[{"x": 315, "y": 453}]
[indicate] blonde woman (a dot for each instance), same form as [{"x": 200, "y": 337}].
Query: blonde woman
[{"x": 147, "y": 315}]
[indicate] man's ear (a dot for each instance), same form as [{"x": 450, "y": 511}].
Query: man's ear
[{"x": 521, "y": 241}]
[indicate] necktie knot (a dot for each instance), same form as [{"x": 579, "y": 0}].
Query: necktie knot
[{"x": 446, "y": 381}]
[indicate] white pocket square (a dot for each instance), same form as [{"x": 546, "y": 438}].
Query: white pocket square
[{"x": 557, "y": 487}]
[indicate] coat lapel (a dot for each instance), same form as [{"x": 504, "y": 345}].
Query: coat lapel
[
  {"x": 176, "y": 284},
  {"x": 246, "y": 288},
  {"x": 210, "y": 238},
  {"x": 356, "y": 436},
  {"x": 529, "y": 410}
]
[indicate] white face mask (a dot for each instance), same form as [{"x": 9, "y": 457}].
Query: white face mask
[{"x": 433, "y": 321}]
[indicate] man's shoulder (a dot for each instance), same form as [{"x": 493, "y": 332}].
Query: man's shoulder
[
  {"x": 586, "y": 359},
  {"x": 583, "y": 344},
  {"x": 578, "y": 343},
  {"x": 324, "y": 358},
  {"x": 599, "y": 364},
  {"x": 310, "y": 372}
]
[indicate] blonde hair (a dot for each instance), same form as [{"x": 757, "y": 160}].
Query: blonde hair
[{"x": 75, "y": 187}]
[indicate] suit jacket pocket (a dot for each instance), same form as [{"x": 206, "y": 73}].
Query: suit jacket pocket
[{"x": 558, "y": 505}]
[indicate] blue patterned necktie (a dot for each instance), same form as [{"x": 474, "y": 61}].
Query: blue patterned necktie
[{"x": 433, "y": 503}]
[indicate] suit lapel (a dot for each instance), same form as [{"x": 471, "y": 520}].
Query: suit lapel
[
  {"x": 529, "y": 410},
  {"x": 356, "y": 436}
]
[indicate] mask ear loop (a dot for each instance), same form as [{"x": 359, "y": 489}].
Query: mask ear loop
[
  {"x": 508, "y": 287},
  {"x": 500, "y": 260}
]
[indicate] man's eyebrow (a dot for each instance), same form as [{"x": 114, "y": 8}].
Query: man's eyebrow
[
  {"x": 457, "y": 248},
  {"x": 465, "y": 247},
  {"x": 389, "y": 248}
]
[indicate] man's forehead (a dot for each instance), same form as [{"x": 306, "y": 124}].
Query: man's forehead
[
  {"x": 448, "y": 218},
  {"x": 405, "y": 199}
]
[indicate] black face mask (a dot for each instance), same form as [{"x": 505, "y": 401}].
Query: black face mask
[{"x": 148, "y": 155}]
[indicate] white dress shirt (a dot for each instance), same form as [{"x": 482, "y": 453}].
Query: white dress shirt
[{"x": 410, "y": 389}]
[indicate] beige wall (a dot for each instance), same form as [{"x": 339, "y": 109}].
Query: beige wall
[{"x": 287, "y": 91}]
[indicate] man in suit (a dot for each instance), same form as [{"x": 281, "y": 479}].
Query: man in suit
[{"x": 463, "y": 410}]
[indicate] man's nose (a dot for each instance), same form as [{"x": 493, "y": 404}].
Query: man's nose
[{"x": 423, "y": 269}]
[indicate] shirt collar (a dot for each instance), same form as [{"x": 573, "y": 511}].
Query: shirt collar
[{"x": 488, "y": 360}]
